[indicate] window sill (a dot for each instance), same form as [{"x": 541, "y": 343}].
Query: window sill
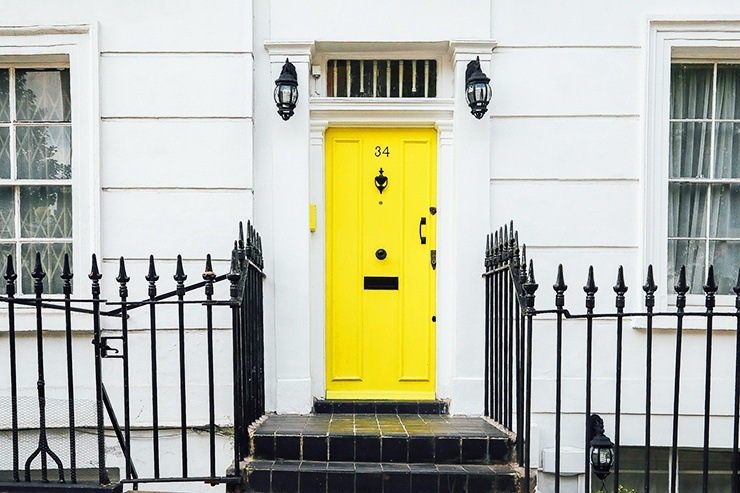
[
  {"x": 53, "y": 319},
  {"x": 692, "y": 323}
]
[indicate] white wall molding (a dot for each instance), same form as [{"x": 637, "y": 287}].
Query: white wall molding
[
  {"x": 290, "y": 199},
  {"x": 297, "y": 51},
  {"x": 469, "y": 49},
  {"x": 381, "y": 112},
  {"x": 469, "y": 220},
  {"x": 54, "y": 29}
]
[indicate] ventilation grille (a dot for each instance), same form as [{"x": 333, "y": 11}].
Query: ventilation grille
[{"x": 382, "y": 78}]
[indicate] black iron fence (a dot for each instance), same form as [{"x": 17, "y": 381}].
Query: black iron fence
[
  {"x": 515, "y": 330},
  {"x": 211, "y": 343}
]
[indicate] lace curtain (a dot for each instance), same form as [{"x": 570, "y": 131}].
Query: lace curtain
[{"x": 704, "y": 202}]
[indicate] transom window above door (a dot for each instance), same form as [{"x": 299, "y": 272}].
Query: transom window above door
[{"x": 382, "y": 78}]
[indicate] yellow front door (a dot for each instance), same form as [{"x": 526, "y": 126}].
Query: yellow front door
[{"x": 380, "y": 257}]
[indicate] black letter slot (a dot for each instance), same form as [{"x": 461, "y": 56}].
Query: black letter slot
[{"x": 381, "y": 282}]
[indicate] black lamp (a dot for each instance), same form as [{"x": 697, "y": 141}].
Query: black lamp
[
  {"x": 286, "y": 90},
  {"x": 602, "y": 449},
  {"x": 477, "y": 89}
]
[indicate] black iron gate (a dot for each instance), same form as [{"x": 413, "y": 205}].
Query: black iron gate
[
  {"x": 214, "y": 329},
  {"x": 514, "y": 328}
]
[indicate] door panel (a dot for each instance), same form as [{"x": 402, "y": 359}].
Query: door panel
[{"x": 380, "y": 335}]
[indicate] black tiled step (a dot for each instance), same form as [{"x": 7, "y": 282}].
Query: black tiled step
[
  {"x": 381, "y": 438},
  {"x": 267, "y": 476},
  {"x": 380, "y": 407}
]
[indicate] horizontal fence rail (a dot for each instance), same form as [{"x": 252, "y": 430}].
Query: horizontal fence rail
[
  {"x": 67, "y": 442},
  {"x": 511, "y": 341}
]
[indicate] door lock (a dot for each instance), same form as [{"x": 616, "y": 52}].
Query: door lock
[{"x": 381, "y": 254}]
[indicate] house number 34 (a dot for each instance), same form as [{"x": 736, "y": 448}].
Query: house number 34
[{"x": 381, "y": 151}]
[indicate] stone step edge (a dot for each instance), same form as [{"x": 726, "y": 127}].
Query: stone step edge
[
  {"x": 334, "y": 406},
  {"x": 264, "y": 475},
  {"x": 346, "y": 466},
  {"x": 401, "y": 449}
]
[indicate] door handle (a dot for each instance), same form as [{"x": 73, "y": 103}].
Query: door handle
[{"x": 422, "y": 222}]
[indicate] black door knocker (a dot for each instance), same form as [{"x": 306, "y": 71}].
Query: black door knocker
[{"x": 381, "y": 181}]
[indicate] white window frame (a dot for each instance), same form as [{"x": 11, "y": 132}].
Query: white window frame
[
  {"x": 75, "y": 46},
  {"x": 671, "y": 41}
]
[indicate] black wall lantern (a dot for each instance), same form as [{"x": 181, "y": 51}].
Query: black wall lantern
[
  {"x": 286, "y": 90},
  {"x": 477, "y": 89},
  {"x": 602, "y": 449}
]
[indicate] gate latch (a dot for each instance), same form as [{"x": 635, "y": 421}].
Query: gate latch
[
  {"x": 433, "y": 258},
  {"x": 105, "y": 349}
]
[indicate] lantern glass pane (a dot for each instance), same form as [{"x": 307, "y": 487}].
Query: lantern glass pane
[
  {"x": 483, "y": 92},
  {"x": 480, "y": 92},
  {"x": 293, "y": 94},
  {"x": 606, "y": 456},
  {"x": 286, "y": 95}
]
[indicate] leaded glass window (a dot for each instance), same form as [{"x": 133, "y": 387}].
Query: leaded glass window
[
  {"x": 382, "y": 78},
  {"x": 35, "y": 171}
]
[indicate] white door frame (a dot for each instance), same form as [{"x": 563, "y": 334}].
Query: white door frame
[
  {"x": 463, "y": 204},
  {"x": 327, "y": 113}
]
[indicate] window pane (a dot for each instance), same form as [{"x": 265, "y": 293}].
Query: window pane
[
  {"x": 691, "y": 87},
  {"x": 52, "y": 256},
  {"x": 44, "y": 152},
  {"x": 690, "y": 149},
  {"x": 687, "y": 204},
  {"x": 690, "y": 253},
  {"x": 42, "y": 95},
  {"x": 725, "y": 256},
  {"x": 382, "y": 78},
  {"x": 632, "y": 469},
  {"x": 367, "y": 78},
  {"x": 432, "y": 78},
  {"x": 4, "y": 95},
  {"x": 727, "y": 151},
  {"x": 5, "y": 250},
  {"x": 407, "y": 82},
  {"x": 381, "y": 86},
  {"x": 692, "y": 481},
  {"x": 724, "y": 220},
  {"x": 395, "y": 82},
  {"x": 4, "y": 152},
  {"x": 690, "y": 471},
  {"x": 728, "y": 85},
  {"x": 341, "y": 77},
  {"x": 46, "y": 212},
  {"x": 354, "y": 80},
  {"x": 7, "y": 213}
]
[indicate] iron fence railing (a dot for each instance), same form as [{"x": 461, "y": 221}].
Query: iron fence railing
[
  {"x": 510, "y": 316},
  {"x": 109, "y": 321}
]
